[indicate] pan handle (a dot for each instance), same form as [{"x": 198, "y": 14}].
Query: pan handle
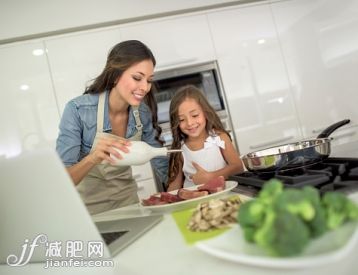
[{"x": 330, "y": 129}]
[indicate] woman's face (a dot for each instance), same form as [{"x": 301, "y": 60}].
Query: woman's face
[
  {"x": 192, "y": 120},
  {"x": 135, "y": 82}
]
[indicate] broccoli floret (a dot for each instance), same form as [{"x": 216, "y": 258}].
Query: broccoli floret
[
  {"x": 295, "y": 202},
  {"x": 249, "y": 233},
  {"x": 282, "y": 234},
  {"x": 318, "y": 224},
  {"x": 352, "y": 210},
  {"x": 339, "y": 209},
  {"x": 250, "y": 217},
  {"x": 270, "y": 190},
  {"x": 251, "y": 213},
  {"x": 265, "y": 235}
]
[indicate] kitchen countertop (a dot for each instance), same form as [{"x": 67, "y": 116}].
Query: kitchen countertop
[{"x": 162, "y": 250}]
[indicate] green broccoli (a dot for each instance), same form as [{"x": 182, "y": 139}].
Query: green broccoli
[
  {"x": 296, "y": 202},
  {"x": 282, "y": 234},
  {"x": 318, "y": 224},
  {"x": 339, "y": 209},
  {"x": 249, "y": 233},
  {"x": 352, "y": 210},
  {"x": 282, "y": 221},
  {"x": 251, "y": 213},
  {"x": 270, "y": 190},
  {"x": 250, "y": 217}
]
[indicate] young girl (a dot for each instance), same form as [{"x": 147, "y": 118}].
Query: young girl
[{"x": 207, "y": 148}]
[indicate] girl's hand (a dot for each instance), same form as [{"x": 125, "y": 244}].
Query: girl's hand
[
  {"x": 201, "y": 176},
  {"x": 105, "y": 150}
]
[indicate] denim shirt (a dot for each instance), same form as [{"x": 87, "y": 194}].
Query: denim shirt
[{"x": 79, "y": 124}]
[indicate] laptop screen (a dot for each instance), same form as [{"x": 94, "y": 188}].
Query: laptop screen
[
  {"x": 40, "y": 207},
  {"x": 38, "y": 198}
]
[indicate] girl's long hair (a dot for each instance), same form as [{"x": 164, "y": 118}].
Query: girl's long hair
[
  {"x": 213, "y": 123},
  {"x": 121, "y": 57}
]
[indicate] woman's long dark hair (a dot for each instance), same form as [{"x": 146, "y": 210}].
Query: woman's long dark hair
[
  {"x": 121, "y": 57},
  {"x": 213, "y": 123}
]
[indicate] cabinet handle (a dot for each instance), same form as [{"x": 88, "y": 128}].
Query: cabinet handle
[
  {"x": 265, "y": 144},
  {"x": 176, "y": 63},
  {"x": 348, "y": 134}
]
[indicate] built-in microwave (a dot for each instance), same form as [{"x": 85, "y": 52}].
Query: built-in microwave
[{"x": 204, "y": 76}]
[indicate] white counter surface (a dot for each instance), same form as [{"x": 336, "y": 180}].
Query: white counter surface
[{"x": 162, "y": 251}]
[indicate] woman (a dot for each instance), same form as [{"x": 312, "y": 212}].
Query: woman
[{"x": 110, "y": 114}]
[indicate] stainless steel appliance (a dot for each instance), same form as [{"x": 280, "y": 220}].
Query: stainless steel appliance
[{"x": 204, "y": 76}]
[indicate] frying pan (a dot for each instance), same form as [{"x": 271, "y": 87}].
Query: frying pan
[{"x": 292, "y": 155}]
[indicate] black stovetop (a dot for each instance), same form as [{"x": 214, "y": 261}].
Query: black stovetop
[{"x": 332, "y": 174}]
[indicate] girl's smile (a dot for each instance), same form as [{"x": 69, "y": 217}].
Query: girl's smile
[{"x": 192, "y": 120}]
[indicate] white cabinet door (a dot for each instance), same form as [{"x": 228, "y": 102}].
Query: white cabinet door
[
  {"x": 320, "y": 46},
  {"x": 254, "y": 77},
  {"x": 29, "y": 114},
  {"x": 78, "y": 58},
  {"x": 175, "y": 42},
  {"x": 142, "y": 172},
  {"x": 143, "y": 175},
  {"x": 146, "y": 188}
]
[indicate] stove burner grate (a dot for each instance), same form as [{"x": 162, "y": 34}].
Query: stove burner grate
[{"x": 332, "y": 174}]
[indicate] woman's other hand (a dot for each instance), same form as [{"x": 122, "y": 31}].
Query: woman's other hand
[{"x": 109, "y": 149}]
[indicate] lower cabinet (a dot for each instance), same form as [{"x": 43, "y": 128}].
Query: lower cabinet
[
  {"x": 146, "y": 188},
  {"x": 145, "y": 180}
]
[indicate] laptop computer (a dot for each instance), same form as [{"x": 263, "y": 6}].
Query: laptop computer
[{"x": 38, "y": 202}]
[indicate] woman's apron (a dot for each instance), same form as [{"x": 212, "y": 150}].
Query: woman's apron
[{"x": 106, "y": 186}]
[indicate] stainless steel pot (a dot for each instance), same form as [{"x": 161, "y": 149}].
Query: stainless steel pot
[{"x": 292, "y": 155}]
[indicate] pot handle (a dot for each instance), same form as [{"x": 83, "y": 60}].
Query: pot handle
[{"x": 330, "y": 129}]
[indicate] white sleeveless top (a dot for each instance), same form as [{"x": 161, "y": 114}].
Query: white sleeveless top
[{"x": 210, "y": 158}]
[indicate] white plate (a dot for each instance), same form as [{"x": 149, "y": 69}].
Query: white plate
[
  {"x": 332, "y": 246},
  {"x": 181, "y": 205}
]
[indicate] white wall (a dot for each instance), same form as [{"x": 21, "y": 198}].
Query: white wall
[{"x": 19, "y": 18}]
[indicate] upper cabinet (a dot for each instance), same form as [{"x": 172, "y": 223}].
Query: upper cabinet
[
  {"x": 320, "y": 47},
  {"x": 78, "y": 58},
  {"x": 29, "y": 114},
  {"x": 254, "y": 77},
  {"x": 175, "y": 42}
]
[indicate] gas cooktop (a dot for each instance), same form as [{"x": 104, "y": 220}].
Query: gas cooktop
[{"x": 331, "y": 174}]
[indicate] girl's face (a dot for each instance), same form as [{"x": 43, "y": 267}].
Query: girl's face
[
  {"x": 135, "y": 82},
  {"x": 192, "y": 120}
]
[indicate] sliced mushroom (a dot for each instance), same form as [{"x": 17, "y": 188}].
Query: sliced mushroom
[{"x": 217, "y": 213}]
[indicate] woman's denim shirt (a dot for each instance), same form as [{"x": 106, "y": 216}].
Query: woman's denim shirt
[{"x": 79, "y": 124}]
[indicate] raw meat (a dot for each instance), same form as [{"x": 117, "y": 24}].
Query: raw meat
[
  {"x": 153, "y": 200},
  {"x": 169, "y": 198},
  {"x": 186, "y": 194},
  {"x": 213, "y": 185}
]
